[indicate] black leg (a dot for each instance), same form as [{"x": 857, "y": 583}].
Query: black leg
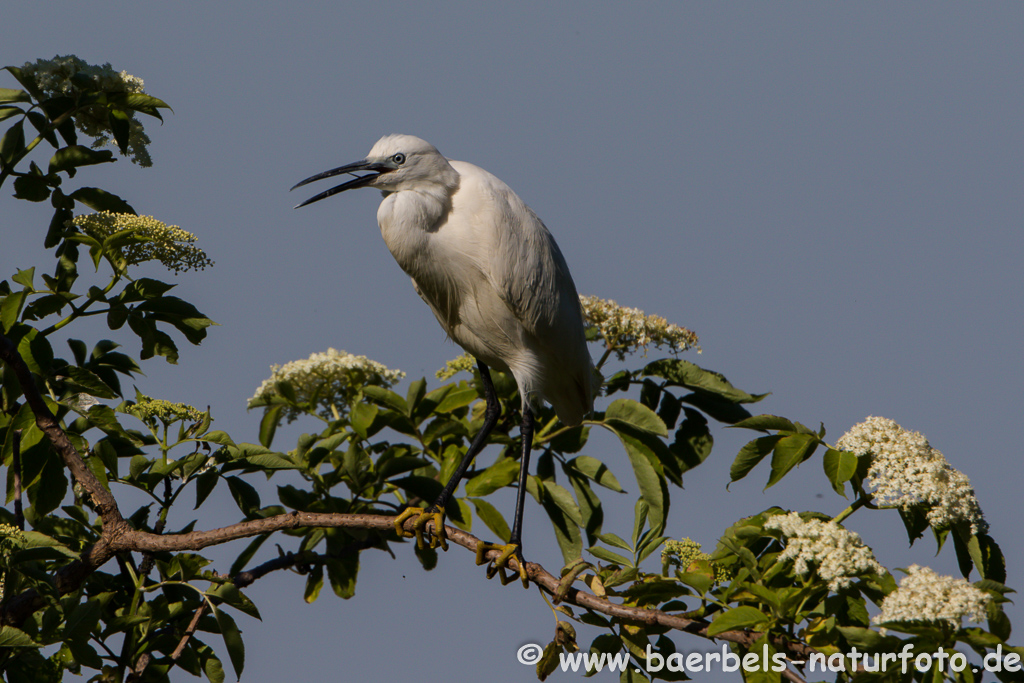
[
  {"x": 526, "y": 431},
  {"x": 491, "y": 414}
]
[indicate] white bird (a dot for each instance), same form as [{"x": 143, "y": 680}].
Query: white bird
[{"x": 497, "y": 282}]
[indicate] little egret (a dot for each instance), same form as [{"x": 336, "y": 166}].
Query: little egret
[{"x": 494, "y": 277}]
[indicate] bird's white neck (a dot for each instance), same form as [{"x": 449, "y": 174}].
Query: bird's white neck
[{"x": 409, "y": 217}]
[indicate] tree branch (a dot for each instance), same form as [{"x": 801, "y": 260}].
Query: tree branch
[
  {"x": 117, "y": 537},
  {"x": 102, "y": 498}
]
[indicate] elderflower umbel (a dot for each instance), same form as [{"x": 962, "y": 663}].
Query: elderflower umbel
[
  {"x": 924, "y": 595},
  {"x": 838, "y": 555},
  {"x": 325, "y": 382},
  {"x": 906, "y": 470},
  {"x": 11, "y": 539},
  {"x": 156, "y": 241},
  {"x": 626, "y": 329},
  {"x": 54, "y": 78},
  {"x": 684, "y": 553},
  {"x": 464, "y": 363},
  {"x": 150, "y": 409}
]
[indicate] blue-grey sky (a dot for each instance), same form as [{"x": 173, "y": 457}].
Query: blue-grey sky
[{"x": 830, "y": 195}]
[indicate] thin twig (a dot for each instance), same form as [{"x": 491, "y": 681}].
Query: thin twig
[
  {"x": 19, "y": 513},
  {"x": 188, "y": 632}
]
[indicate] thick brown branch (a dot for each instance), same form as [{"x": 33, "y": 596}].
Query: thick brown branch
[
  {"x": 148, "y": 542},
  {"x": 102, "y": 498},
  {"x": 117, "y": 537}
]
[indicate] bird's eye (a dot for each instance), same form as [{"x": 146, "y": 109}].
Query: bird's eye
[{"x": 398, "y": 158}]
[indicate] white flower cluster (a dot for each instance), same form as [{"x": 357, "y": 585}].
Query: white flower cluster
[
  {"x": 625, "y": 329},
  {"x": 838, "y": 555},
  {"x": 924, "y": 595},
  {"x": 54, "y": 77},
  {"x": 149, "y": 410},
  {"x": 157, "y": 241},
  {"x": 326, "y": 383},
  {"x": 464, "y": 363},
  {"x": 906, "y": 470},
  {"x": 684, "y": 553},
  {"x": 11, "y": 539}
]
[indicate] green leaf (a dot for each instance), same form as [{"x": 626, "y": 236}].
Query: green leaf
[
  {"x": 154, "y": 342},
  {"x": 416, "y": 392},
  {"x": 459, "y": 397},
  {"x": 268, "y": 424},
  {"x": 683, "y": 373},
  {"x": 750, "y": 455},
  {"x": 490, "y": 516},
  {"x": 693, "y": 442},
  {"x": 246, "y": 497},
  {"x": 548, "y": 661},
  {"x": 721, "y": 409},
  {"x": 246, "y": 555},
  {"x": 270, "y": 461},
  {"x": 33, "y": 188},
  {"x": 35, "y": 539},
  {"x": 738, "y": 618},
  {"x": 8, "y": 111},
  {"x": 840, "y": 466},
  {"x": 13, "y": 637},
  {"x": 83, "y": 619},
  {"x": 572, "y": 440},
  {"x": 140, "y": 102},
  {"x": 213, "y": 669},
  {"x": 423, "y": 487},
  {"x": 314, "y": 582},
  {"x": 864, "y": 638},
  {"x": 615, "y": 540},
  {"x": 89, "y": 382},
  {"x": 13, "y": 142},
  {"x": 608, "y": 556},
  {"x": 648, "y": 478},
  {"x": 342, "y": 575},
  {"x": 12, "y": 95},
  {"x": 179, "y": 313},
  {"x": 51, "y": 488},
  {"x": 635, "y": 414},
  {"x": 361, "y": 417},
  {"x": 232, "y": 640},
  {"x": 561, "y": 497},
  {"x": 766, "y": 422},
  {"x": 387, "y": 398},
  {"x": 566, "y": 529},
  {"x": 10, "y": 309},
  {"x": 25, "y": 278},
  {"x": 500, "y": 474},
  {"x": 69, "y": 158},
  {"x": 597, "y": 471},
  {"x": 120, "y": 125},
  {"x": 101, "y": 200},
  {"x": 790, "y": 451}
]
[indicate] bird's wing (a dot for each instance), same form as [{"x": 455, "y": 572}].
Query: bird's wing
[{"x": 530, "y": 274}]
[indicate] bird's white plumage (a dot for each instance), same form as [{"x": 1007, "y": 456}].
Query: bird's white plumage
[{"x": 489, "y": 270}]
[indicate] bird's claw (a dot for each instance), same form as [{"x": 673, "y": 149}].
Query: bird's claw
[
  {"x": 438, "y": 537},
  {"x": 500, "y": 563}
]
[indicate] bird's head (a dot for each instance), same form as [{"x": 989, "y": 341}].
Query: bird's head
[{"x": 396, "y": 163}]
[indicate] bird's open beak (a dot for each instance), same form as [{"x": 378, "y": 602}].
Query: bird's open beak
[{"x": 376, "y": 168}]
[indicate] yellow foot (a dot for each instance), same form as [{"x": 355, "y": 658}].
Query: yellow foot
[
  {"x": 437, "y": 538},
  {"x": 501, "y": 563}
]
